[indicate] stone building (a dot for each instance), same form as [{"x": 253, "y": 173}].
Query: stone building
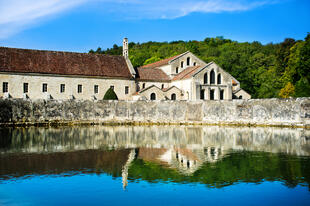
[{"x": 37, "y": 74}]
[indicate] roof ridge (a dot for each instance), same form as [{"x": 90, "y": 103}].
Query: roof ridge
[{"x": 54, "y": 51}]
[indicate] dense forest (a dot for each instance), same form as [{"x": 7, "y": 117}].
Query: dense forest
[{"x": 265, "y": 71}]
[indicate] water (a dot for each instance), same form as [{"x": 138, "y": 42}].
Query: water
[{"x": 154, "y": 166}]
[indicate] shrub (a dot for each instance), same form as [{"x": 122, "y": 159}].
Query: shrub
[{"x": 110, "y": 95}]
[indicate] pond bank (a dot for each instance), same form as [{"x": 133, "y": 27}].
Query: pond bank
[{"x": 254, "y": 112}]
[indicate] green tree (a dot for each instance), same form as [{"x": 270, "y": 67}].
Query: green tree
[{"x": 110, "y": 95}]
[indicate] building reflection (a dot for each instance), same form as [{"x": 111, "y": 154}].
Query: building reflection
[{"x": 118, "y": 151}]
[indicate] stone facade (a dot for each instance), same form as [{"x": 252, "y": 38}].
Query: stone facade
[
  {"x": 278, "y": 112},
  {"x": 34, "y": 74}
]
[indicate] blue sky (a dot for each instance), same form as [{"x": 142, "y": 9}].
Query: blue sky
[{"x": 81, "y": 25}]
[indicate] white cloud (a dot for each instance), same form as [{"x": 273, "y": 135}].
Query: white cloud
[{"x": 17, "y": 15}]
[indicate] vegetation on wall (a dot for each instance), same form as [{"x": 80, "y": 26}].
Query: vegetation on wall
[
  {"x": 110, "y": 95},
  {"x": 265, "y": 71}
]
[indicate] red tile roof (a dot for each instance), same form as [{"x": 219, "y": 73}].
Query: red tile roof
[
  {"x": 159, "y": 63},
  {"x": 62, "y": 63},
  {"x": 186, "y": 73},
  {"x": 152, "y": 74}
]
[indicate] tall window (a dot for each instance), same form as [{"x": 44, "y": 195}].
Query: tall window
[
  {"x": 79, "y": 89},
  {"x": 126, "y": 90},
  {"x": 219, "y": 79},
  {"x": 44, "y": 87},
  {"x": 143, "y": 85},
  {"x": 112, "y": 87},
  {"x": 96, "y": 89},
  {"x": 25, "y": 87},
  {"x": 205, "y": 78},
  {"x": 173, "y": 96},
  {"x": 212, "y": 77},
  {"x": 212, "y": 94},
  {"x": 202, "y": 94},
  {"x": 153, "y": 96},
  {"x": 222, "y": 94},
  {"x": 5, "y": 87},
  {"x": 62, "y": 88},
  {"x": 177, "y": 70},
  {"x": 162, "y": 86},
  {"x": 188, "y": 61},
  {"x": 194, "y": 63},
  {"x": 182, "y": 64}
]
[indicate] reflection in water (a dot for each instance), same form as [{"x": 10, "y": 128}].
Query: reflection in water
[{"x": 214, "y": 156}]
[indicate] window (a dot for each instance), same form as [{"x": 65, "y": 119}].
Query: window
[
  {"x": 188, "y": 61},
  {"x": 112, "y": 87},
  {"x": 240, "y": 97},
  {"x": 194, "y": 64},
  {"x": 96, "y": 89},
  {"x": 143, "y": 85},
  {"x": 126, "y": 90},
  {"x": 212, "y": 77},
  {"x": 222, "y": 94},
  {"x": 173, "y": 96},
  {"x": 25, "y": 87},
  {"x": 182, "y": 64},
  {"x": 177, "y": 70},
  {"x": 44, "y": 87},
  {"x": 5, "y": 87},
  {"x": 162, "y": 86},
  {"x": 219, "y": 79},
  {"x": 202, "y": 94},
  {"x": 153, "y": 96},
  {"x": 205, "y": 78},
  {"x": 79, "y": 89},
  {"x": 212, "y": 94},
  {"x": 62, "y": 88}
]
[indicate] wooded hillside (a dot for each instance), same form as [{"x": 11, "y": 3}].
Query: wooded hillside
[{"x": 265, "y": 71}]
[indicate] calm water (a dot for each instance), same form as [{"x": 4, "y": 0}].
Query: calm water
[{"x": 154, "y": 166}]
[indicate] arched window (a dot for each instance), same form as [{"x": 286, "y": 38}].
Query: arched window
[
  {"x": 173, "y": 96},
  {"x": 188, "y": 61},
  {"x": 219, "y": 79},
  {"x": 153, "y": 96},
  {"x": 194, "y": 64},
  {"x": 143, "y": 85},
  {"x": 177, "y": 70},
  {"x": 212, "y": 77},
  {"x": 240, "y": 97},
  {"x": 205, "y": 78}
]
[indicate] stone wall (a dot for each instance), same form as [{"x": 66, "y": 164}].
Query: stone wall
[{"x": 278, "y": 112}]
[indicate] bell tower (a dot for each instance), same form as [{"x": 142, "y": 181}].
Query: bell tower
[{"x": 125, "y": 48}]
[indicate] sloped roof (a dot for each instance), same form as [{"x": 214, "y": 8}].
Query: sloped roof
[
  {"x": 160, "y": 63},
  {"x": 152, "y": 74},
  {"x": 186, "y": 73},
  {"x": 62, "y": 63}
]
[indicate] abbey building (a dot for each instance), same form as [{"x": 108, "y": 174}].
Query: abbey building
[{"x": 36, "y": 74}]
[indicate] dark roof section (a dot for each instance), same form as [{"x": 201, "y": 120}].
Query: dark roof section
[
  {"x": 62, "y": 63},
  {"x": 160, "y": 63},
  {"x": 186, "y": 73},
  {"x": 152, "y": 74}
]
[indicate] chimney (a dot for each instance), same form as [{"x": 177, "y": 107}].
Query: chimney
[{"x": 125, "y": 48}]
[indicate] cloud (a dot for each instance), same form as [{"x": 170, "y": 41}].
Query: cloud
[{"x": 17, "y": 15}]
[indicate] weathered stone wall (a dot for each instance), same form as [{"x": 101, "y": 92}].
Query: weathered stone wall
[{"x": 280, "y": 112}]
